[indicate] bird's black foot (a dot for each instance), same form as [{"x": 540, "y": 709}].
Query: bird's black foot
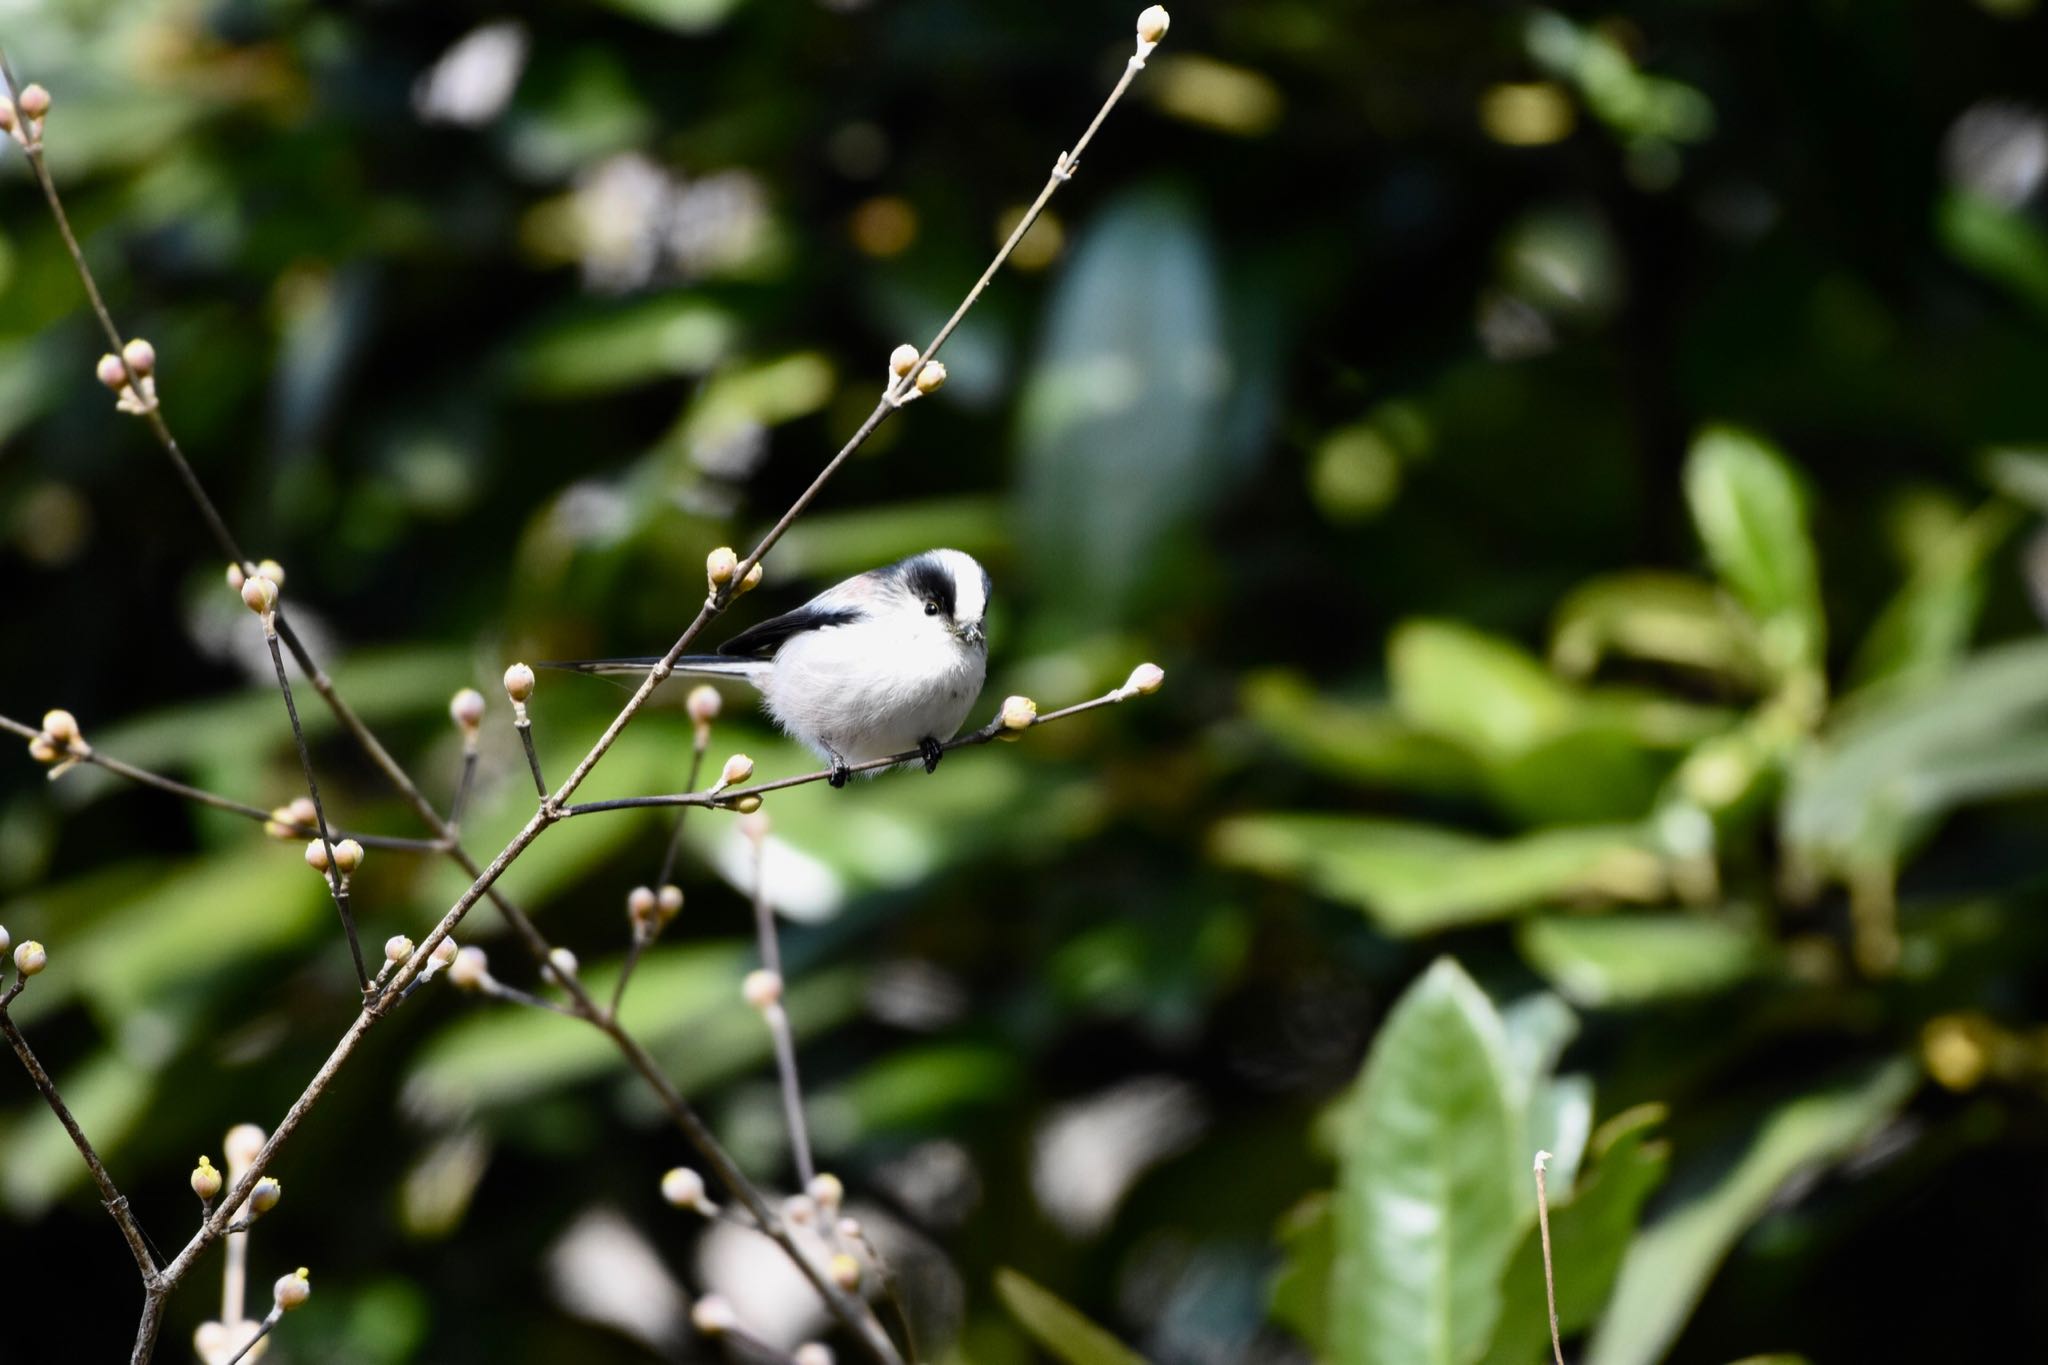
[
  {"x": 840, "y": 772},
  {"x": 933, "y": 751}
]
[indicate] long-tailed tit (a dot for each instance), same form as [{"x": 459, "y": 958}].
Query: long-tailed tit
[{"x": 886, "y": 662}]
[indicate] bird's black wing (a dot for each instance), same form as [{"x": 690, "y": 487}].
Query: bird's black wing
[{"x": 761, "y": 641}]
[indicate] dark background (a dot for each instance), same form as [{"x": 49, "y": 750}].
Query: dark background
[{"x": 1355, "y": 314}]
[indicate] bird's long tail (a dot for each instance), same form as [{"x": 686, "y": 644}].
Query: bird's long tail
[{"x": 691, "y": 665}]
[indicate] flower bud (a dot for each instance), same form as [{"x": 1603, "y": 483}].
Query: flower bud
[
  {"x": 316, "y": 855},
  {"x": 720, "y": 565},
  {"x": 747, "y": 805},
  {"x": 466, "y": 709},
  {"x": 5, "y": 941},
  {"x": 827, "y": 1192},
  {"x": 753, "y": 578},
  {"x": 845, "y": 1272},
  {"x": 683, "y": 1188},
  {"x": 737, "y": 769},
  {"x": 272, "y": 570},
  {"x": 259, "y": 595},
  {"x": 704, "y": 703},
  {"x": 110, "y": 373},
  {"x": 444, "y": 951},
  {"x": 812, "y": 1353},
  {"x": 902, "y": 358},
  {"x": 141, "y": 358},
  {"x": 292, "y": 1290},
  {"x": 712, "y": 1315},
  {"x": 35, "y": 101},
  {"x": 61, "y": 727},
  {"x": 669, "y": 901},
  {"x": 348, "y": 856},
  {"x": 8, "y": 121},
  {"x": 518, "y": 683},
  {"x": 264, "y": 1197},
  {"x": 931, "y": 378},
  {"x": 286, "y": 821},
  {"x": 397, "y": 948},
  {"x": 1152, "y": 24},
  {"x": 562, "y": 963},
  {"x": 42, "y": 751},
  {"x": 30, "y": 958},
  {"x": 762, "y": 988},
  {"x": 242, "y": 1145},
  {"x": 1019, "y": 713},
  {"x": 205, "y": 1179},
  {"x": 471, "y": 968},
  {"x": 642, "y": 907},
  {"x": 1145, "y": 679}
]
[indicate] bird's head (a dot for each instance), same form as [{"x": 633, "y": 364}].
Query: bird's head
[{"x": 952, "y": 588}]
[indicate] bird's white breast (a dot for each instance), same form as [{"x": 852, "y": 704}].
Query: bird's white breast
[{"x": 875, "y": 687}]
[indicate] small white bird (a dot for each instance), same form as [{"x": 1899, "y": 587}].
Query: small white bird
[{"x": 886, "y": 662}]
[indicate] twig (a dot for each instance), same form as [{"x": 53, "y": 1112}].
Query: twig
[
  {"x": 270, "y": 1320},
  {"x": 1549, "y": 1278},
  {"x": 110, "y": 1195},
  {"x": 337, "y": 880},
  {"x": 994, "y": 730},
  {"x": 455, "y": 807},
  {"x": 675, "y": 838},
  {"x": 777, "y": 1019}
]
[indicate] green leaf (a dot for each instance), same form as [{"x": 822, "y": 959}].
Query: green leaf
[
  {"x": 1613, "y": 960},
  {"x": 1664, "y": 618},
  {"x": 1057, "y": 1326},
  {"x": 1300, "y": 1294},
  {"x": 1926, "y": 628},
  {"x": 2002, "y": 244},
  {"x": 1591, "y": 1227},
  {"x": 1414, "y": 879},
  {"x": 108, "y": 1095},
  {"x": 622, "y": 345},
  {"x": 1670, "y": 1264},
  {"x": 1354, "y": 741},
  {"x": 1431, "y": 1194},
  {"x": 1121, "y": 437},
  {"x": 1751, "y": 516},
  {"x": 1479, "y": 690}
]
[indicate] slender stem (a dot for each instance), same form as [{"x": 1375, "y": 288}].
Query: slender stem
[
  {"x": 148, "y": 1326},
  {"x": 498, "y": 990},
  {"x": 262, "y": 1331},
  {"x": 675, "y": 839},
  {"x": 777, "y": 1019},
  {"x": 336, "y": 882},
  {"x": 1549, "y": 1277},
  {"x": 525, "y": 728},
  {"x": 461, "y": 801},
  {"x": 994, "y": 730},
  {"x": 110, "y": 1195}
]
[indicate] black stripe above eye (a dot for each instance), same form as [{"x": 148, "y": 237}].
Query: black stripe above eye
[{"x": 929, "y": 581}]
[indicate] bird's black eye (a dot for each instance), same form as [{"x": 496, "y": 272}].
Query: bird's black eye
[{"x": 931, "y": 606}]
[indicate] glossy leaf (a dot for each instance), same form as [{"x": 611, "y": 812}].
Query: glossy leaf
[
  {"x": 1750, "y": 513},
  {"x": 1613, "y": 960},
  {"x": 1430, "y": 1197},
  {"x": 1927, "y": 626},
  {"x": 1668, "y": 1267},
  {"x": 1484, "y": 692}
]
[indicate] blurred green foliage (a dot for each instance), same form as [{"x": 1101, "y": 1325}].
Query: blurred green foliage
[{"x": 1578, "y": 468}]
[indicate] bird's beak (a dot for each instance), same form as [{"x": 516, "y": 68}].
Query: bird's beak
[{"x": 972, "y": 634}]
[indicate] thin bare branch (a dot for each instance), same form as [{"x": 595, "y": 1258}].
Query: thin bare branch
[
  {"x": 337, "y": 880},
  {"x": 1549, "y": 1277}
]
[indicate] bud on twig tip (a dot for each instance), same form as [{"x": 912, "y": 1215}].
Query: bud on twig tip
[
  {"x": 35, "y": 101},
  {"x": 1019, "y": 713},
  {"x": 348, "y": 856},
  {"x": 397, "y": 948},
  {"x": 720, "y": 566},
  {"x": 1152, "y": 24},
  {"x": 205, "y": 1179},
  {"x": 762, "y": 989},
  {"x": 737, "y": 769},
  {"x": 669, "y": 900},
  {"x": 259, "y": 595},
  {"x": 292, "y": 1290},
  {"x": 704, "y": 703},
  {"x": 902, "y": 358},
  {"x": 264, "y": 1197},
  {"x": 931, "y": 378},
  {"x": 1145, "y": 679},
  {"x": 519, "y": 683},
  {"x": 141, "y": 358},
  {"x": 111, "y": 374},
  {"x": 466, "y": 709},
  {"x": 471, "y": 969},
  {"x": 684, "y": 1188},
  {"x": 30, "y": 958}
]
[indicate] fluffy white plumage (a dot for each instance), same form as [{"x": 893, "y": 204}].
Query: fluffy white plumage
[{"x": 887, "y": 662}]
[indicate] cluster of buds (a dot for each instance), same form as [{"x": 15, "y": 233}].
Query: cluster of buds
[
  {"x": 292, "y": 820},
  {"x": 722, "y": 572},
  {"x": 291, "y": 1290},
  {"x": 650, "y": 911},
  {"x": 130, "y": 377},
  {"x": 931, "y": 376},
  {"x": 466, "y": 709},
  {"x": 348, "y": 856},
  {"x": 259, "y": 590},
  {"x": 22, "y": 118},
  {"x": 1145, "y": 679},
  {"x": 59, "y": 745}
]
